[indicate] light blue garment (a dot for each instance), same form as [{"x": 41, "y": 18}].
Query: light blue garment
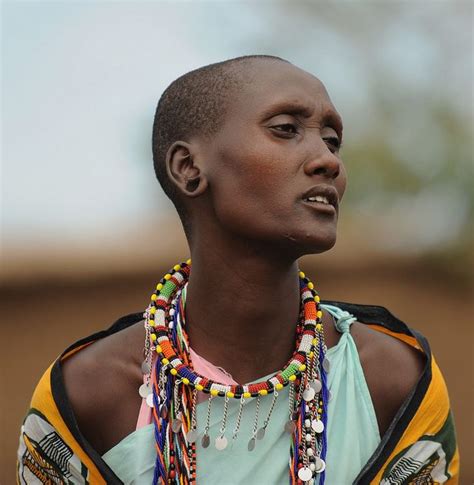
[{"x": 352, "y": 431}]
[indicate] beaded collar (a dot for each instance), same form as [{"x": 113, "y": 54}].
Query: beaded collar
[{"x": 171, "y": 386}]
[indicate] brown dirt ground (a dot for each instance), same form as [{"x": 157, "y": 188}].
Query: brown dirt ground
[{"x": 39, "y": 320}]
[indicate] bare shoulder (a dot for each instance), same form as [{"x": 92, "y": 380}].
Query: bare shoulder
[
  {"x": 101, "y": 382},
  {"x": 391, "y": 367}
]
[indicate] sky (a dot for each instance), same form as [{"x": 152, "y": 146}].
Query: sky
[{"x": 81, "y": 80}]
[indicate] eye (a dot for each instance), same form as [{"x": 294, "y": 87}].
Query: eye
[
  {"x": 286, "y": 128},
  {"x": 333, "y": 143}
]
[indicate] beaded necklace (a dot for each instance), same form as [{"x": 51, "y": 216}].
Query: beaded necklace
[{"x": 171, "y": 386}]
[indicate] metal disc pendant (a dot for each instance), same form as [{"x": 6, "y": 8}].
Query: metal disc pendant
[
  {"x": 317, "y": 425},
  {"x": 146, "y": 367},
  {"x": 164, "y": 411},
  {"x": 260, "y": 434},
  {"x": 205, "y": 441},
  {"x": 316, "y": 385},
  {"x": 149, "y": 401},
  {"x": 320, "y": 465},
  {"x": 305, "y": 474},
  {"x": 290, "y": 427},
  {"x": 144, "y": 390},
  {"x": 176, "y": 425},
  {"x": 326, "y": 364},
  {"x": 192, "y": 435},
  {"x": 221, "y": 443},
  {"x": 251, "y": 445},
  {"x": 308, "y": 394}
]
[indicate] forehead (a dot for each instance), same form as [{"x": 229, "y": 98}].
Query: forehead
[{"x": 271, "y": 87}]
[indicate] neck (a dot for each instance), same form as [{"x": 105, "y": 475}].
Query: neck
[{"x": 242, "y": 311}]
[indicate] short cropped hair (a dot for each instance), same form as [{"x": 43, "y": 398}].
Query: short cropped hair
[{"x": 195, "y": 104}]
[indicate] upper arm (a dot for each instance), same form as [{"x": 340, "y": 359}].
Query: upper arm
[{"x": 392, "y": 369}]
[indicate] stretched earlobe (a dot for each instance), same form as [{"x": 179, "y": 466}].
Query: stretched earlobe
[{"x": 184, "y": 170}]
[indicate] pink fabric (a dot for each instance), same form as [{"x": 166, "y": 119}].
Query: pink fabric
[{"x": 202, "y": 367}]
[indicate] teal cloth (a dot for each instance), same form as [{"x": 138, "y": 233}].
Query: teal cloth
[{"x": 352, "y": 431}]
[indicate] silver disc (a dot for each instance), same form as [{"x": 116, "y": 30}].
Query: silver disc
[
  {"x": 164, "y": 411},
  {"x": 192, "y": 435},
  {"x": 317, "y": 425},
  {"x": 320, "y": 465},
  {"x": 316, "y": 385},
  {"x": 205, "y": 441},
  {"x": 260, "y": 434},
  {"x": 308, "y": 394},
  {"x": 305, "y": 474},
  {"x": 144, "y": 390},
  {"x": 290, "y": 427},
  {"x": 326, "y": 364},
  {"x": 221, "y": 443},
  {"x": 251, "y": 445},
  {"x": 146, "y": 367},
  {"x": 149, "y": 400},
  {"x": 176, "y": 425}
]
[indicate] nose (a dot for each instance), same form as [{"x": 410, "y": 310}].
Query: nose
[{"x": 326, "y": 163}]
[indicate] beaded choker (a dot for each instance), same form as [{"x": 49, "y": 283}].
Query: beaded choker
[{"x": 171, "y": 387}]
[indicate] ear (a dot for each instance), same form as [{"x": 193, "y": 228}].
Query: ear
[{"x": 184, "y": 171}]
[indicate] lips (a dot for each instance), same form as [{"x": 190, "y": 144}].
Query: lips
[{"x": 319, "y": 194}]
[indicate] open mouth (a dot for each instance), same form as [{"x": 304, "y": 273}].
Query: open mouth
[{"x": 320, "y": 203}]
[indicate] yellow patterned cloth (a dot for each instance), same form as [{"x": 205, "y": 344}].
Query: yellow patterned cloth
[{"x": 418, "y": 448}]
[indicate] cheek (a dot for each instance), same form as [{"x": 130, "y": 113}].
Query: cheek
[{"x": 253, "y": 190}]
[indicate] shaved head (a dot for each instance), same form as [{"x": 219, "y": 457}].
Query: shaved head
[{"x": 196, "y": 104}]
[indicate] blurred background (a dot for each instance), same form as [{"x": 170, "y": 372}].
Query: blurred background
[{"x": 86, "y": 230}]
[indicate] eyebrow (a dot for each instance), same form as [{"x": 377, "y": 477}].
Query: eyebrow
[{"x": 330, "y": 116}]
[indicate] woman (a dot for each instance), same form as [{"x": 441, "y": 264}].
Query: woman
[{"x": 248, "y": 151}]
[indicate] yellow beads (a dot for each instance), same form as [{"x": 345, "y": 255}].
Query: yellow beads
[
  {"x": 173, "y": 372},
  {"x": 176, "y": 267},
  {"x": 230, "y": 394},
  {"x": 263, "y": 392},
  {"x": 199, "y": 387},
  {"x": 214, "y": 392},
  {"x": 302, "y": 368},
  {"x": 311, "y": 354},
  {"x": 301, "y": 274},
  {"x": 279, "y": 387},
  {"x": 185, "y": 380},
  {"x": 292, "y": 378},
  {"x": 158, "y": 349},
  {"x": 310, "y": 285},
  {"x": 317, "y": 299},
  {"x": 319, "y": 327},
  {"x": 153, "y": 336},
  {"x": 188, "y": 261},
  {"x": 167, "y": 276},
  {"x": 159, "y": 286},
  {"x": 165, "y": 361},
  {"x": 319, "y": 313},
  {"x": 153, "y": 310},
  {"x": 154, "y": 297},
  {"x": 247, "y": 395}
]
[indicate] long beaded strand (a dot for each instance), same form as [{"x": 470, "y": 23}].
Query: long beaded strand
[{"x": 174, "y": 387}]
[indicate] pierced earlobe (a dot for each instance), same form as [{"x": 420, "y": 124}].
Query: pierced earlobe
[{"x": 192, "y": 184}]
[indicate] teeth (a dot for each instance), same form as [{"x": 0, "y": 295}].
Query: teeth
[{"x": 318, "y": 198}]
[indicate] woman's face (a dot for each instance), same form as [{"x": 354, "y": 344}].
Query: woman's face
[{"x": 278, "y": 146}]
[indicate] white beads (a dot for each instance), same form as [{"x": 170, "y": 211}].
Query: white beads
[
  {"x": 308, "y": 438},
  {"x": 307, "y": 423},
  {"x": 310, "y": 451}
]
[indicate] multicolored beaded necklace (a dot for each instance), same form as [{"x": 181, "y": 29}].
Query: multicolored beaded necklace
[{"x": 171, "y": 386}]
